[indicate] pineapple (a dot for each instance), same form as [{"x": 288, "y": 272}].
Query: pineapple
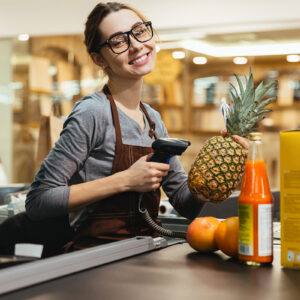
[{"x": 220, "y": 164}]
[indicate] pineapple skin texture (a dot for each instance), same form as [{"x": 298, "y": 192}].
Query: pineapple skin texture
[{"x": 217, "y": 170}]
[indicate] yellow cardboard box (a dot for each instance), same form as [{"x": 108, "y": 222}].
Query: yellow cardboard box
[{"x": 290, "y": 198}]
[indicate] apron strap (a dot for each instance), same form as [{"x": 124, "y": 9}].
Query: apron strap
[
  {"x": 115, "y": 115},
  {"x": 152, "y": 132}
]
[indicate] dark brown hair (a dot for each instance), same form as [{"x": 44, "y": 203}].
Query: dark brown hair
[{"x": 92, "y": 36}]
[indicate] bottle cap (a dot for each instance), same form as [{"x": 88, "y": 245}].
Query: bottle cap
[{"x": 255, "y": 136}]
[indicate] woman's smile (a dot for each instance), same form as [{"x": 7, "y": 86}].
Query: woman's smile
[{"x": 140, "y": 60}]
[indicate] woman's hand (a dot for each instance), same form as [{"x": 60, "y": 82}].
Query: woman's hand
[
  {"x": 145, "y": 176},
  {"x": 240, "y": 140}
]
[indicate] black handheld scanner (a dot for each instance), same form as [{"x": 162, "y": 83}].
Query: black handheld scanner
[{"x": 165, "y": 148}]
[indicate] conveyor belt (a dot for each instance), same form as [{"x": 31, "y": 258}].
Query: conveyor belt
[
  {"x": 176, "y": 273},
  {"x": 35, "y": 272}
]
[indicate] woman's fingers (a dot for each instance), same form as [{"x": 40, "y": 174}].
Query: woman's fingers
[
  {"x": 146, "y": 176},
  {"x": 159, "y": 166},
  {"x": 242, "y": 141},
  {"x": 148, "y": 156},
  {"x": 155, "y": 186},
  {"x": 161, "y": 173},
  {"x": 156, "y": 180},
  {"x": 224, "y": 132}
]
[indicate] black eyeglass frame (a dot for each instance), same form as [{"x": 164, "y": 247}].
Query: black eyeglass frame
[{"x": 107, "y": 42}]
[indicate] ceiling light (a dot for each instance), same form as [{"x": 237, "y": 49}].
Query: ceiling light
[
  {"x": 240, "y": 60},
  {"x": 200, "y": 60},
  {"x": 23, "y": 37},
  {"x": 293, "y": 58},
  {"x": 178, "y": 54},
  {"x": 231, "y": 51},
  {"x": 244, "y": 50}
]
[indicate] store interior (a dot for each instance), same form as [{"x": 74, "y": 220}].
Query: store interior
[{"x": 45, "y": 70}]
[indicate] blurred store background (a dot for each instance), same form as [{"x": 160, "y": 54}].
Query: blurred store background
[{"x": 43, "y": 63}]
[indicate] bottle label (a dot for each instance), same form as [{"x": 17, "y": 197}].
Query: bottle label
[
  {"x": 245, "y": 229},
  {"x": 265, "y": 234}
]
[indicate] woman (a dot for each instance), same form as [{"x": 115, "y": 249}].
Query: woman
[{"x": 100, "y": 164}]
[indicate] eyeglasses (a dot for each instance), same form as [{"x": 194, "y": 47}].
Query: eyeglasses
[{"x": 120, "y": 42}]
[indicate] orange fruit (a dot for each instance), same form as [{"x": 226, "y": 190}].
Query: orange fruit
[
  {"x": 227, "y": 236},
  {"x": 201, "y": 234}
]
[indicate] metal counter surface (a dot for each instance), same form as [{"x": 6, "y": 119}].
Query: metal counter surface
[{"x": 175, "y": 272}]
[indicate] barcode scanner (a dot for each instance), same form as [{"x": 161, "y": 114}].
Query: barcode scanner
[{"x": 164, "y": 149}]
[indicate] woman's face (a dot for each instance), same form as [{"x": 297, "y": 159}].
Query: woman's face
[{"x": 138, "y": 60}]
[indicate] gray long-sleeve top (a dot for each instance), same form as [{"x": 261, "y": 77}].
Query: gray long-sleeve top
[{"x": 85, "y": 152}]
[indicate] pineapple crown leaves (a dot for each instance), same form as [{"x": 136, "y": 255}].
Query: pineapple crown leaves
[{"x": 247, "y": 106}]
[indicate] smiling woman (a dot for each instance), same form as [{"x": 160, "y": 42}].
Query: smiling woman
[
  {"x": 100, "y": 164},
  {"x": 121, "y": 31}
]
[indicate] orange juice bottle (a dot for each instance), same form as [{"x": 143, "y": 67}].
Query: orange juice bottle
[{"x": 255, "y": 209}]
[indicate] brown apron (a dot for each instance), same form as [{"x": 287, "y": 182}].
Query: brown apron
[{"x": 117, "y": 217}]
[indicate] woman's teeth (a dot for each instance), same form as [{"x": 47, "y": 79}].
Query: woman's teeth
[{"x": 139, "y": 59}]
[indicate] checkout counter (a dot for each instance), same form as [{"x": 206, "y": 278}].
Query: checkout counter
[{"x": 147, "y": 268}]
